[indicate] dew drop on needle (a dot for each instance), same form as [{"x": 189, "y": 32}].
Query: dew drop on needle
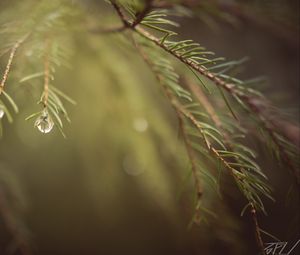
[{"x": 44, "y": 123}]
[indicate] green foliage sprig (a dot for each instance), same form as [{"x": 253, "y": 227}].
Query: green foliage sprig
[{"x": 46, "y": 40}]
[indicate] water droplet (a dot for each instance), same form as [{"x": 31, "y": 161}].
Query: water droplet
[
  {"x": 44, "y": 122},
  {"x": 1, "y": 112}
]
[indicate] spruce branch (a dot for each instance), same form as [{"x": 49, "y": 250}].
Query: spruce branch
[
  {"x": 239, "y": 175},
  {"x": 257, "y": 230},
  {"x": 192, "y": 158},
  {"x": 249, "y": 184},
  {"x": 202, "y": 98},
  {"x": 188, "y": 53},
  {"x": 185, "y": 57},
  {"x": 230, "y": 87},
  {"x": 204, "y": 101},
  {"x": 3, "y": 108},
  {"x": 187, "y": 143},
  {"x": 46, "y": 71},
  {"x": 244, "y": 180},
  {"x": 182, "y": 113},
  {"x": 10, "y": 60},
  {"x": 51, "y": 97}
]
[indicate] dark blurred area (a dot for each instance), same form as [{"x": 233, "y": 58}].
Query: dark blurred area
[{"x": 117, "y": 185}]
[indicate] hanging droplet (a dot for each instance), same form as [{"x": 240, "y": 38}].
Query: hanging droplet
[
  {"x": 1, "y": 112},
  {"x": 44, "y": 122}
]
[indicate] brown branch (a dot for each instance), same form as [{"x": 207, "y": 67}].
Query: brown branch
[
  {"x": 10, "y": 60},
  {"x": 192, "y": 157},
  {"x": 204, "y": 101},
  {"x": 143, "y": 13},
  {"x": 181, "y": 110},
  {"x": 197, "y": 91},
  {"x": 257, "y": 230},
  {"x": 126, "y": 24},
  {"x": 120, "y": 13},
  {"x": 46, "y": 71},
  {"x": 188, "y": 146}
]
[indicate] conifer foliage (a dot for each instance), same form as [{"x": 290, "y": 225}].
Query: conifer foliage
[{"x": 209, "y": 99}]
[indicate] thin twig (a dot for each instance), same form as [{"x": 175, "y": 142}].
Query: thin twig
[
  {"x": 257, "y": 230},
  {"x": 188, "y": 146},
  {"x": 204, "y": 101},
  {"x": 46, "y": 71},
  {"x": 147, "y": 8},
  {"x": 120, "y": 13},
  {"x": 10, "y": 60},
  {"x": 192, "y": 158},
  {"x": 197, "y": 91}
]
